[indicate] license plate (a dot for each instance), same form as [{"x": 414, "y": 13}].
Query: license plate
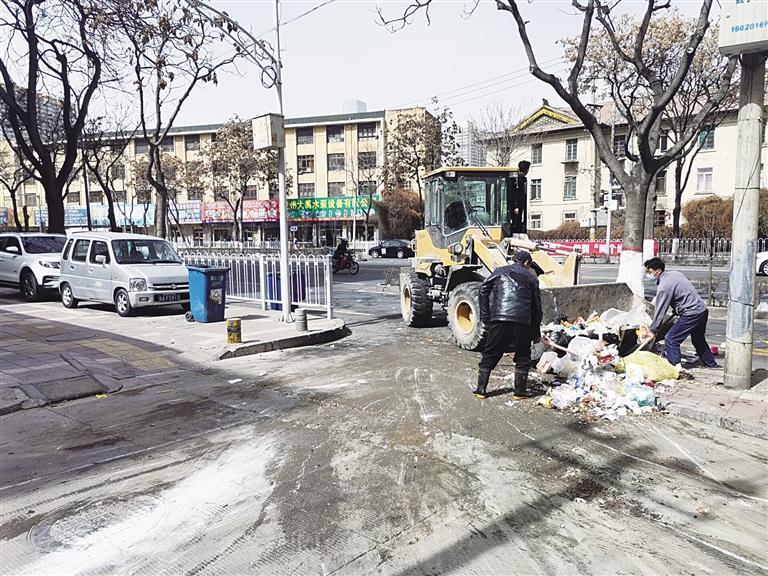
[{"x": 167, "y": 297}]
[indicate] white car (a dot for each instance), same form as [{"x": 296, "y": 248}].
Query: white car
[
  {"x": 128, "y": 270},
  {"x": 30, "y": 261},
  {"x": 761, "y": 264}
]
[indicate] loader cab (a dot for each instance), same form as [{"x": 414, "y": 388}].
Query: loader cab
[{"x": 463, "y": 198}]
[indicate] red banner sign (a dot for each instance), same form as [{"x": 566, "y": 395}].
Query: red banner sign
[
  {"x": 253, "y": 211},
  {"x": 594, "y": 248}
]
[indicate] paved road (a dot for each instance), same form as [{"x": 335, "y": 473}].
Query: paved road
[{"x": 365, "y": 456}]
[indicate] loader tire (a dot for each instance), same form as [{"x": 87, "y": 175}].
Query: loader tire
[
  {"x": 464, "y": 316},
  {"x": 415, "y": 304}
]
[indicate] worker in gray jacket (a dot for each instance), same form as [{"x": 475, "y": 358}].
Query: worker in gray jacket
[{"x": 675, "y": 290}]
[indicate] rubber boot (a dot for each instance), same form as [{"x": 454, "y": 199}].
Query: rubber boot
[
  {"x": 521, "y": 385},
  {"x": 482, "y": 384}
]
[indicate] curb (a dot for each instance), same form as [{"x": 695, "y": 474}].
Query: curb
[
  {"x": 307, "y": 339},
  {"x": 728, "y": 423}
]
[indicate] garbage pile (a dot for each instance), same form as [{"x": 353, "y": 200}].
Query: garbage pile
[{"x": 597, "y": 366}]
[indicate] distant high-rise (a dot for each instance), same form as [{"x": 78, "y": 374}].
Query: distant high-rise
[
  {"x": 354, "y": 107},
  {"x": 471, "y": 149}
]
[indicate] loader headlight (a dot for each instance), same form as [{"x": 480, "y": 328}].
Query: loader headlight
[{"x": 457, "y": 249}]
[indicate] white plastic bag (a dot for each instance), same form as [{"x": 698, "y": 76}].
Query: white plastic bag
[{"x": 581, "y": 346}]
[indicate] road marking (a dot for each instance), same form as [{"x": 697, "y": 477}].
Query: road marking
[{"x": 346, "y": 311}]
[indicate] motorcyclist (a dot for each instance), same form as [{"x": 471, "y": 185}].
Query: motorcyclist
[{"x": 341, "y": 250}]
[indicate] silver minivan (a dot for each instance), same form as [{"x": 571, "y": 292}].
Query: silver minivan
[{"x": 128, "y": 270}]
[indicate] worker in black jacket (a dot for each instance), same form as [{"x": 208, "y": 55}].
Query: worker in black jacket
[{"x": 510, "y": 307}]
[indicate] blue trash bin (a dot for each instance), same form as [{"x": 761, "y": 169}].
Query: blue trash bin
[
  {"x": 207, "y": 293},
  {"x": 298, "y": 289}
]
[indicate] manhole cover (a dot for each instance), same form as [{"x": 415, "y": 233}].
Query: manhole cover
[{"x": 70, "y": 527}]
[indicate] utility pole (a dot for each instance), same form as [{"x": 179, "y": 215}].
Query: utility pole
[
  {"x": 610, "y": 194},
  {"x": 85, "y": 189},
  {"x": 746, "y": 197},
  {"x": 285, "y": 283}
]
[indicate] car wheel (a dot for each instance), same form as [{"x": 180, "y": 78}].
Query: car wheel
[
  {"x": 375, "y": 254},
  {"x": 764, "y": 268},
  {"x": 68, "y": 299},
  {"x": 123, "y": 303},
  {"x": 30, "y": 289},
  {"x": 401, "y": 254}
]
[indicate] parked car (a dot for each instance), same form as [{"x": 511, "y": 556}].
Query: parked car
[
  {"x": 30, "y": 261},
  {"x": 761, "y": 264},
  {"x": 128, "y": 270},
  {"x": 392, "y": 249}
]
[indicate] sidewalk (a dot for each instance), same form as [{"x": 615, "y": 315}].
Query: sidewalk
[
  {"x": 50, "y": 354},
  {"x": 706, "y": 400}
]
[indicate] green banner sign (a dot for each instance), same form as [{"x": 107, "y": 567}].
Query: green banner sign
[{"x": 336, "y": 208}]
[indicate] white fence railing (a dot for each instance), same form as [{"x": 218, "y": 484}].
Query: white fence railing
[
  {"x": 256, "y": 277},
  {"x": 689, "y": 247}
]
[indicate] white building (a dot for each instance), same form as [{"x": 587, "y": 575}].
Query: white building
[
  {"x": 566, "y": 175},
  {"x": 471, "y": 150}
]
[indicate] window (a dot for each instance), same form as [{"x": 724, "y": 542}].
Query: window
[
  {"x": 67, "y": 248},
  {"x": 141, "y": 146},
  {"x": 335, "y": 188},
  {"x": 704, "y": 180},
  {"x": 661, "y": 183},
  {"x": 99, "y": 249},
  {"x": 659, "y": 218},
  {"x": 73, "y": 197},
  {"x": 569, "y": 216},
  {"x": 664, "y": 140},
  {"x": 80, "y": 250},
  {"x": 306, "y": 164},
  {"x": 167, "y": 144},
  {"x": 30, "y": 199},
  {"x": 118, "y": 196},
  {"x": 251, "y": 191},
  {"x": 569, "y": 188},
  {"x": 336, "y": 162},
  {"x": 366, "y": 130},
  {"x": 367, "y": 187},
  {"x": 620, "y": 145},
  {"x": 536, "y": 153},
  {"x": 192, "y": 142},
  {"x": 366, "y": 160},
  {"x": 707, "y": 138},
  {"x": 335, "y": 134},
  {"x": 11, "y": 241},
  {"x": 95, "y": 196},
  {"x": 195, "y": 193},
  {"x": 535, "y": 222},
  {"x": 143, "y": 196},
  {"x": 536, "y": 189},
  {"x": 305, "y": 135},
  {"x": 571, "y": 149},
  {"x": 118, "y": 172},
  {"x": 306, "y": 190}
]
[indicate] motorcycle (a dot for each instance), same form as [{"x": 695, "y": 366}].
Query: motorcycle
[{"x": 346, "y": 262}]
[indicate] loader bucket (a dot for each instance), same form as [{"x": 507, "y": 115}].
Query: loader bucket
[{"x": 582, "y": 300}]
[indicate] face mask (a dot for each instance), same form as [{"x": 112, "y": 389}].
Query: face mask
[{"x": 650, "y": 277}]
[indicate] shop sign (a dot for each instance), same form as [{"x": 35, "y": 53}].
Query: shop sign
[
  {"x": 186, "y": 212},
  {"x": 338, "y": 208},
  {"x": 125, "y": 215},
  {"x": 253, "y": 211}
]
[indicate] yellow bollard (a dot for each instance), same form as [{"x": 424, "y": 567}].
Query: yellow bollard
[{"x": 234, "y": 336}]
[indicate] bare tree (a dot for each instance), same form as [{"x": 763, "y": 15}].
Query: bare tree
[
  {"x": 52, "y": 62},
  {"x": 104, "y": 152},
  {"x": 643, "y": 85},
  {"x": 497, "y": 127},
  {"x": 173, "y": 48},
  {"x": 366, "y": 182},
  {"x": 12, "y": 177}
]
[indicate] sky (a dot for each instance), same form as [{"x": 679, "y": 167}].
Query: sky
[{"x": 339, "y": 52}]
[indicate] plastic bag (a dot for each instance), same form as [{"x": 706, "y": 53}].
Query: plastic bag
[
  {"x": 643, "y": 395},
  {"x": 564, "y": 396},
  {"x": 616, "y": 319},
  {"x": 546, "y": 361},
  {"x": 564, "y": 366},
  {"x": 654, "y": 367},
  {"x": 581, "y": 346}
]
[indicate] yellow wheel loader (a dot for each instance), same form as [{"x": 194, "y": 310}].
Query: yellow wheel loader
[{"x": 474, "y": 221}]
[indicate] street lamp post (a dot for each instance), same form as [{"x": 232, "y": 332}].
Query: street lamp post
[{"x": 258, "y": 54}]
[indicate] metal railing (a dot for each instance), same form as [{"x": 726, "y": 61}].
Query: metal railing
[{"x": 256, "y": 277}]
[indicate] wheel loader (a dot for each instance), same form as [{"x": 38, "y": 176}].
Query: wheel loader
[{"x": 475, "y": 219}]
